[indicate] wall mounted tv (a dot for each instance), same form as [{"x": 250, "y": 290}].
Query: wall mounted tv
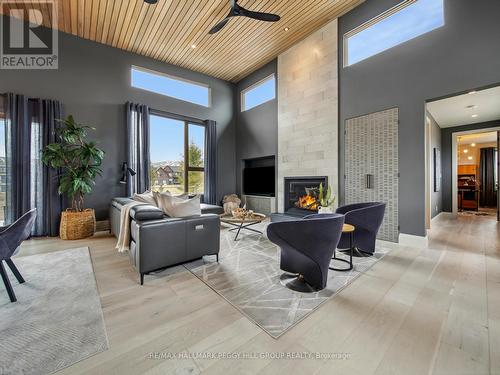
[{"x": 259, "y": 181}]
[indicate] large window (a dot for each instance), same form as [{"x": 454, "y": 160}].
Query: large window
[
  {"x": 259, "y": 93},
  {"x": 174, "y": 87},
  {"x": 177, "y": 152},
  {"x": 3, "y": 166},
  {"x": 405, "y": 21}
]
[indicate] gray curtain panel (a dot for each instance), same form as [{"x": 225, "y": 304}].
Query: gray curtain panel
[
  {"x": 487, "y": 173},
  {"x": 17, "y": 155},
  {"x": 44, "y": 180},
  {"x": 137, "y": 147},
  {"x": 210, "y": 194}
]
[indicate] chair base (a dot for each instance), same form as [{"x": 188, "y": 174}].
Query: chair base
[
  {"x": 356, "y": 252},
  {"x": 297, "y": 283}
]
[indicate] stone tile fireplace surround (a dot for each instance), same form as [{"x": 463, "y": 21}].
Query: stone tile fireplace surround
[{"x": 308, "y": 110}]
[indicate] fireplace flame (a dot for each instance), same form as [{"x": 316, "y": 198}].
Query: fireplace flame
[{"x": 307, "y": 202}]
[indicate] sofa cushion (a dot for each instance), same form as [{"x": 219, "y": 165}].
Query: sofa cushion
[
  {"x": 178, "y": 207},
  {"x": 211, "y": 209},
  {"x": 146, "y": 197},
  {"x": 145, "y": 212}
]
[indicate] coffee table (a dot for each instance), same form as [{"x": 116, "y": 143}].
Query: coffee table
[{"x": 243, "y": 223}]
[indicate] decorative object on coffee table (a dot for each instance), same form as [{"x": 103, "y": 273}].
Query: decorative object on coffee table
[
  {"x": 326, "y": 200},
  {"x": 231, "y": 202},
  {"x": 79, "y": 163},
  {"x": 243, "y": 219}
]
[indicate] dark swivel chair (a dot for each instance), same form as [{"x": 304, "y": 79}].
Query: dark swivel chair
[
  {"x": 367, "y": 219},
  {"x": 307, "y": 247},
  {"x": 10, "y": 240}
]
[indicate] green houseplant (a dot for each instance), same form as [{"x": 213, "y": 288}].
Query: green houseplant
[
  {"x": 79, "y": 163},
  {"x": 326, "y": 199}
]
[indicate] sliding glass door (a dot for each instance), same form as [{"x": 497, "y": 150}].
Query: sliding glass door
[{"x": 177, "y": 155}]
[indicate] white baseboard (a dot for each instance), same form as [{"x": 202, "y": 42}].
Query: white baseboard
[{"x": 412, "y": 240}]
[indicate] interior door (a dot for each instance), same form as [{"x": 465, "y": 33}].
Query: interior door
[{"x": 371, "y": 165}]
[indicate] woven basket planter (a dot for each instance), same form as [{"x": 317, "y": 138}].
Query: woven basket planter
[{"x": 76, "y": 225}]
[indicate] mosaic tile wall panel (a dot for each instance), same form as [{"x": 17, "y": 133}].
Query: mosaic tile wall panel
[{"x": 371, "y": 147}]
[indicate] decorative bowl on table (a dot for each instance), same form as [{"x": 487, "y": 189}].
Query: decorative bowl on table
[{"x": 242, "y": 213}]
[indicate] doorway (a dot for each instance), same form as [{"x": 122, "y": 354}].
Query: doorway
[{"x": 462, "y": 163}]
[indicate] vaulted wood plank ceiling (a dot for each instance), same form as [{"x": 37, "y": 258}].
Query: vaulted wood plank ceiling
[{"x": 176, "y": 31}]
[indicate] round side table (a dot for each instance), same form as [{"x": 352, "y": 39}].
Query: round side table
[{"x": 347, "y": 228}]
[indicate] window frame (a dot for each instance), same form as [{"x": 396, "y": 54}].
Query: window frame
[
  {"x": 253, "y": 86},
  {"x": 389, "y": 12},
  {"x": 175, "y": 78},
  {"x": 187, "y": 121}
]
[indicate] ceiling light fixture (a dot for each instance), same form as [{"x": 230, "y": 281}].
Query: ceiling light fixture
[
  {"x": 466, "y": 151},
  {"x": 286, "y": 28},
  {"x": 473, "y": 145},
  {"x": 474, "y": 115},
  {"x": 470, "y": 158},
  {"x": 193, "y": 46}
]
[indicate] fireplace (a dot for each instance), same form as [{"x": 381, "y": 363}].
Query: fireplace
[{"x": 302, "y": 194}]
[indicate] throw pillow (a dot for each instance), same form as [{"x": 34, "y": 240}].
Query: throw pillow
[
  {"x": 178, "y": 207},
  {"x": 146, "y": 197}
]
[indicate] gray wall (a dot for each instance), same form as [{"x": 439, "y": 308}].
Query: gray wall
[
  {"x": 446, "y": 157},
  {"x": 93, "y": 83},
  {"x": 436, "y": 196},
  {"x": 462, "y": 55},
  {"x": 257, "y": 128}
]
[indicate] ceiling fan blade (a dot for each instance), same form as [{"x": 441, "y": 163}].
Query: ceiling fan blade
[
  {"x": 220, "y": 25},
  {"x": 268, "y": 17}
]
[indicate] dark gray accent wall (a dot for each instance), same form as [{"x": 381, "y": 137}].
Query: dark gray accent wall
[
  {"x": 462, "y": 55},
  {"x": 446, "y": 157},
  {"x": 436, "y": 196},
  {"x": 257, "y": 128},
  {"x": 93, "y": 83}
]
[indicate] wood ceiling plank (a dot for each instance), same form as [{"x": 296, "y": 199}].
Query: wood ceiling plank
[
  {"x": 258, "y": 32},
  {"x": 87, "y": 17},
  {"x": 73, "y": 5},
  {"x": 101, "y": 20},
  {"x": 119, "y": 8},
  {"x": 125, "y": 23},
  {"x": 200, "y": 36},
  {"x": 182, "y": 28},
  {"x": 107, "y": 21},
  {"x": 150, "y": 36},
  {"x": 211, "y": 42},
  {"x": 139, "y": 39},
  {"x": 140, "y": 17},
  {"x": 275, "y": 39}
]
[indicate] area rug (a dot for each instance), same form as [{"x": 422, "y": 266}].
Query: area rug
[
  {"x": 247, "y": 276},
  {"x": 57, "y": 320}
]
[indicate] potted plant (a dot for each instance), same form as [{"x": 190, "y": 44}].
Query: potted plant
[
  {"x": 79, "y": 163},
  {"x": 326, "y": 200}
]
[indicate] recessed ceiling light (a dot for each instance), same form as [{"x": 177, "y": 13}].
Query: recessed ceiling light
[
  {"x": 473, "y": 145},
  {"x": 466, "y": 151},
  {"x": 472, "y": 92},
  {"x": 474, "y": 115},
  {"x": 193, "y": 46},
  {"x": 470, "y": 158},
  {"x": 286, "y": 28}
]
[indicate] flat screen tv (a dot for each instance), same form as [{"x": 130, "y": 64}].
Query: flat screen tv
[{"x": 259, "y": 181}]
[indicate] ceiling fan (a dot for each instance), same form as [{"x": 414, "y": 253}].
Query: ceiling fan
[{"x": 238, "y": 11}]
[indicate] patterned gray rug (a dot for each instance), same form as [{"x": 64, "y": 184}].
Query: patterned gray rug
[
  {"x": 247, "y": 276},
  {"x": 57, "y": 320}
]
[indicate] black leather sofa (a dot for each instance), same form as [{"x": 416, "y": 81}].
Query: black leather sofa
[{"x": 158, "y": 241}]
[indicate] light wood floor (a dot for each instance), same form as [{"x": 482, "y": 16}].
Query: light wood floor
[{"x": 418, "y": 311}]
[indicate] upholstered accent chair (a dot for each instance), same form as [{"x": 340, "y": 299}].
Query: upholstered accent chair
[
  {"x": 10, "y": 240},
  {"x": 307, "y": 247},
  {"x": 367, "y": 219}
]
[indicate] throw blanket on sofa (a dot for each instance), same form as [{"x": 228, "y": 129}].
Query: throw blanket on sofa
[{"x": 123, "y": 243}]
